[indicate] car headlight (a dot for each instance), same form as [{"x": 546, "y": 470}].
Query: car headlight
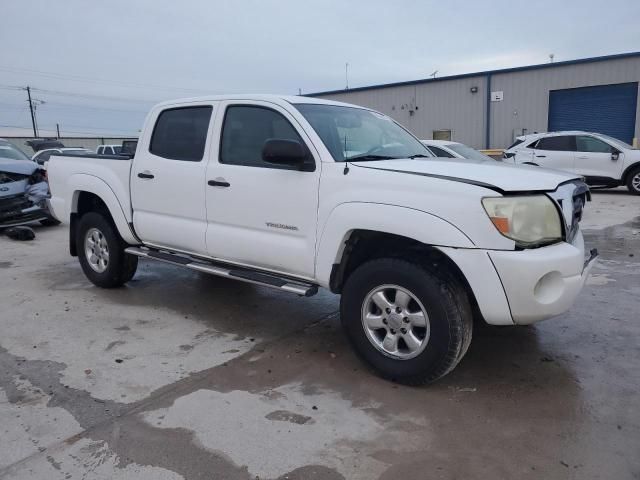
[{"x": 529, "y": 220}]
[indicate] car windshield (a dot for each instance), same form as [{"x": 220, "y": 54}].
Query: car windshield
[
  {"x": 467, "y": 152},
  {"x": 117, "y": 149},
  {"x": 618, "y": 143},
  {"x": 9, "y": 151},
  {"x": 357, "y": 134}
]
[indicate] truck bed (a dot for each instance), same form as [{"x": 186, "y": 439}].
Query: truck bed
[{"x": 104, "y": 171}]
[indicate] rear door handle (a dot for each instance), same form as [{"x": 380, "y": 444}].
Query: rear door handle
[
  {"x": 583, "y": 158},
  {"x": 541, "y": 156},
  {"x": 218, "y": 183},
  {"x": 146, "y": 174}
]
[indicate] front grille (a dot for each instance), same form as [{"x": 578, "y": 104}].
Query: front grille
[{"x": 571, "y": 198}]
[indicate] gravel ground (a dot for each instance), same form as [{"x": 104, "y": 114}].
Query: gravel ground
[{"x": 181, "y": 375}]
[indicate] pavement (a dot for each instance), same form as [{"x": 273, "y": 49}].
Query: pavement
[{"x": 182, "y": 375}]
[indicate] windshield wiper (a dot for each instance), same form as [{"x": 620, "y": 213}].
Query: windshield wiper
[
  {"x": 368, "y": 157},
  {"x": 418, "y": 155}
]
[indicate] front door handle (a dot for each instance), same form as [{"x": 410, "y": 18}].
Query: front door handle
[
  {"x": 218, "y": 183},
  {"x": 583, "y": 158},
  {"x": 146, "y": 174}
]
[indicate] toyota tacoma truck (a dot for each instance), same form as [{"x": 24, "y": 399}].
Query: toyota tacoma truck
[{"x": 297, "y": 193}]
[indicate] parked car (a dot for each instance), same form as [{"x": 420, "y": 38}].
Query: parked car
[
  {"x": 43, "y": 155},
  {"x": 38, "y": 144},
  {"x": 602, "y": 160},
  {"x": 8, "y": 151},
  {"x": 24, "y": 191},
  {"x": 108, "y": 150},
  {"x": 449, "y": 149},
  {"x": 296, "y": 193}
]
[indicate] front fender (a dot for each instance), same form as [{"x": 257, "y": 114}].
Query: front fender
[
  {"x": 80, "y": 182},
  {"x": 407, "y": 222}
]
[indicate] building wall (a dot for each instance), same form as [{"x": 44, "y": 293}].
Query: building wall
[
  {"x": 449, "y": 104},
  {"x": 526, "y": 94},
  {"x": 87, "y": 142}
]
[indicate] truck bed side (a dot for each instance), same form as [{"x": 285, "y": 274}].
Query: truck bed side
[{"x": 104, "y": 176}]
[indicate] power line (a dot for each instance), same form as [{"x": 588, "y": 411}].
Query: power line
[
  {"x": 57, "y": 105},
  {"x": 93, "y": 80},
  {"x": 133, "y": 133}
]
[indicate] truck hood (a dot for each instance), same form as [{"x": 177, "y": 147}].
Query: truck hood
[{"x": 494, "y": 175}]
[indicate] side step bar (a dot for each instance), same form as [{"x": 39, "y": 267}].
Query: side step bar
[{"x": 225, "y": 270}]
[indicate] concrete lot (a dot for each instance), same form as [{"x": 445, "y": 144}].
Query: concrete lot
[{"x": 181, "y": 375}]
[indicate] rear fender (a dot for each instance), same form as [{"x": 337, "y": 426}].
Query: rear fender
[{"x": 79, "y": 183}]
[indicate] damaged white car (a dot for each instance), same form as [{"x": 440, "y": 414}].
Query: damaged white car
[{"x": 24, "y": 191}]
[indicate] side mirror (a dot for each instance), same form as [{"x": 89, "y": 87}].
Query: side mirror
[
  {"x": 286, "y": 152},
  {"x": 615, "y": 155}
]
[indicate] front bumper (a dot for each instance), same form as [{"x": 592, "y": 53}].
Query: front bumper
[
  {"x": 543, "y": 282},
  {"x": 18, "y": 210}
]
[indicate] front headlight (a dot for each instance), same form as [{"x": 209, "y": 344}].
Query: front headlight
[{"x": 530, "y": 220}]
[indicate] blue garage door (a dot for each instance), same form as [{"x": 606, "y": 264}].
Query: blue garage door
[{"x": 608, "y": 109}]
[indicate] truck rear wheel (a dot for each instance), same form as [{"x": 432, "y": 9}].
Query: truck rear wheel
[
  {"x": 101, "y": 252},
  {"x": 410, "y": 324}
]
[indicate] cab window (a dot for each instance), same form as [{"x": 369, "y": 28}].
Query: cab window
[
  {"x": 246, "y": 129},
  {"x": 181, "y": 133}
]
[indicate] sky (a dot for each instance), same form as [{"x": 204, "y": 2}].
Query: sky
[{"x": 99, "y": 65}]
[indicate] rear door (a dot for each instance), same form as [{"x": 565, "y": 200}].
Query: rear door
[
  {"x": 168, "y": 179},
  {"x": 594, "y": 158},
  {"x": 261, "y": 214},
  {"x": 555, "y": 152}
]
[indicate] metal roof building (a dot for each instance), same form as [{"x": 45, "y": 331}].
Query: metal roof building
[{"x": 489, "y": 109}]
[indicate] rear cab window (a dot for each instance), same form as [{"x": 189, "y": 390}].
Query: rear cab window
[{"x": 181, "y": 133}]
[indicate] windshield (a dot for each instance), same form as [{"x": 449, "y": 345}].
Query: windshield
[
  {"x": 117, "y": 149},
  {"x": 9, "y": 151},
  {"x": 358, "y": 134},
  {"x": 618, "y": 143},
  {"x": 467, "y": 152}
]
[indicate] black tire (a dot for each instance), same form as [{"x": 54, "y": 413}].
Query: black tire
[
  {"x": 446, "y": 304},
  {"x": 49, "y": 222},
  {"x": 121, "y": 266},
  {"x": 630, "y": 180}
]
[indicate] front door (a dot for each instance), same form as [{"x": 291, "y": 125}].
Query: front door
[
  {"x": 261, "y": 214},
  {"x": 595, "y": 158},
  {"x": 168, "y": 182},
  {"x": 555, "y": 152}
]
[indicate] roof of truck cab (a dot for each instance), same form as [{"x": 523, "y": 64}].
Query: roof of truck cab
[{"x": 293, "y": 99}]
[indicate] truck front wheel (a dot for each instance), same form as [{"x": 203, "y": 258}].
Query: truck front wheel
[
  {"x": 411, "y": 324},
  {"x": 101, "y": 252}
]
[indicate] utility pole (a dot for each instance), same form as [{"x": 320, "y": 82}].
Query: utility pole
[
  {"x": 346, "y": 75},
  {"x": 33, "y": 116},
  {"x": 58, "y": 130}
]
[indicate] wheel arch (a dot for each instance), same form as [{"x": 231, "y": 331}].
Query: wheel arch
[
  {"x": 628, "y": 170},
  {"x": 91, "y": 194}
]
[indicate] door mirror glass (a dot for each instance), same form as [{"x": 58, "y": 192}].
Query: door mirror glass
[{"x": 281, "y": 151}]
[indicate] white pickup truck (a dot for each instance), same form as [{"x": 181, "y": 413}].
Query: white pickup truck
[{"x": 297, "y": 193}]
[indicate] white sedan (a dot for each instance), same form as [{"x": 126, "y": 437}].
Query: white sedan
[{"x": 449, "y": 149}]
